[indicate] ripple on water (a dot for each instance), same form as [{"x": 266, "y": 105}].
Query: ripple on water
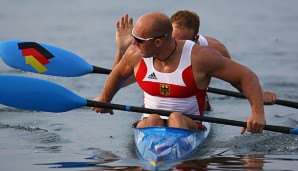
[
  {"x": 22, "y": 127},
  {"x": 269, "y": 143}
]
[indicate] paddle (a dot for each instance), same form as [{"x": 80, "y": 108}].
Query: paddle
[
  {"x": 240, "y": 95},
  {"x": 50, "y": 60},
  {"x": 45, "y": 59},
  {"x": 35, "y": 94}
]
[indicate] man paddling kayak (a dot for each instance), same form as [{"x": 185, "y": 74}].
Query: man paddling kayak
[
  {"x": 185, "y": 27},
  {"x": 154, "y": 47}
]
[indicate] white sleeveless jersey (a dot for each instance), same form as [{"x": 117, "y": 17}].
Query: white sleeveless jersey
[
  {"x": 202, "y": 41},
  {"x": 174, "y": 91}
]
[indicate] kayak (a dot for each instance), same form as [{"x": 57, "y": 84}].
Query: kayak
[{"x": 162, "y": 143}]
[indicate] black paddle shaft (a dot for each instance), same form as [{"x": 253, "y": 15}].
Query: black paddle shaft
[
  {"x": 128, "y": 108},
  {"x": 240, "y": 95},
  {"x": 101, "y": 70}
]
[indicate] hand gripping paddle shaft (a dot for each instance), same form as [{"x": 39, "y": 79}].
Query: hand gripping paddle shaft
[{"x": 35, "y": 94}]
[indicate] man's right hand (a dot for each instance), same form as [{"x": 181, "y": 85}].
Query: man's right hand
[{"x": 101, "y": 110}]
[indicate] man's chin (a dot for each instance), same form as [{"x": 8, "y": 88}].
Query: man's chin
[{"x": 144, "y": 55}]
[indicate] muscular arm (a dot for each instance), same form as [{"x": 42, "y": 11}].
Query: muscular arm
[
  {"x": 247, "y": 80},
  {"x": 268, "y": 96},
  {"x": 220, "y": 47},
  {"x": 123, "y": 70},
  {"x": 208, "y": 62},
  {"x": 115, "y": 80}
]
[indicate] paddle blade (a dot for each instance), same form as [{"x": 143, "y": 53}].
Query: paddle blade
[
  {"x": 34, "y": 94},
  {"x": 43, "y": 59}
]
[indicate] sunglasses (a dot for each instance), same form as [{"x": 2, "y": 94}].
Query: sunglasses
[{"x": 141, "y": 40}]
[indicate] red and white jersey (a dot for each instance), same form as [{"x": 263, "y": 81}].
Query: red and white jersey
[{"x": 174, "y": 91}]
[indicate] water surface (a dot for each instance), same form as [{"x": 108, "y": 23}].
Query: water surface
[{"x": 259, "y": 34}]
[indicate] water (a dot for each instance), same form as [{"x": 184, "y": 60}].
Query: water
[{"x": 259, "y": 34}]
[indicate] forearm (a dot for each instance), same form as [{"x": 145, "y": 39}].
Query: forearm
[
  {"x": 118, "y": 57},
  {"x": 112, "y": 86},
  {"x": 252, "y": 90},
  {"x": 129, "y": 81}
]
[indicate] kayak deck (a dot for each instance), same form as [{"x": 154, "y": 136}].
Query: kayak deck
[{"x": 166, "y": 143}]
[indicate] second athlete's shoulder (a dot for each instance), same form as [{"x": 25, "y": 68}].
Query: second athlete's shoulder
[
  {"x": 213, "y": 42},
  {"x": 216, "y": 44}
]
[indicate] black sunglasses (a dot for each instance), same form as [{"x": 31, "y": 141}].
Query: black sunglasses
[{"x": 141, "y": 40}]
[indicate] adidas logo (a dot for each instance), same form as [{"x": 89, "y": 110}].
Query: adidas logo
[{"x": 152, "y": 76}]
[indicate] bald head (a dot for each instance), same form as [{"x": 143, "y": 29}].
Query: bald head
[{"x": 153, "y": 24}]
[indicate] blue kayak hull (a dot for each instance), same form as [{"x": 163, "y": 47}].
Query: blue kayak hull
[{"x": 168, "y": 144}]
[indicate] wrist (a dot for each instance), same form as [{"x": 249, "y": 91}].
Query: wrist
[{"x": 259, "y": 113}]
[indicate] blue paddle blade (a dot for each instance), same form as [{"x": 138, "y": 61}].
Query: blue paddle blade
[
  {"x": 35, "y": 94},
  {"x": 42, "y": 58}
]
